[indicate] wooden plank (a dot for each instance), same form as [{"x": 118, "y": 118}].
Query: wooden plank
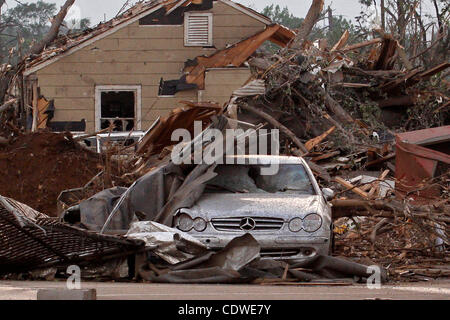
[
  {"x": 362, "y": 44},
  {"x": 342, "y": 41},
  {"x": 314, "y": 142},
  {"x": 376, "y": 184},
  {"x": 351, "y": 187}
]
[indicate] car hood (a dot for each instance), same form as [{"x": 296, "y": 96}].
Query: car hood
[{"x": 211, "y": 206}]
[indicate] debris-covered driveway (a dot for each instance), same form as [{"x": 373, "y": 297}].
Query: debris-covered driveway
[{"x": 436, "y": 290}]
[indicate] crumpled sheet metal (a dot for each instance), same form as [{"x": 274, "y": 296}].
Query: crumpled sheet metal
[
  {"x": 221, "y": 267},
  {"x": 146, "y": 197},
  {"x": 240, "y": 262},
  {"x": 163, "y": 240}
]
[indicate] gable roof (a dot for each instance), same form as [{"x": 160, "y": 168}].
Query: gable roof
[{"x": 67, "y": 44}]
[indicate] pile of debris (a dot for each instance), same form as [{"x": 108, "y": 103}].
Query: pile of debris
[
  {"x": 342, "y": 108},
  {"x": 38, "y": 167}
]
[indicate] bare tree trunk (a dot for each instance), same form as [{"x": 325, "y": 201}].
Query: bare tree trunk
[
  {"x": 330, "y": 19},
  {"x": 383, "y": 15},
  {"x": 54, "y": 29},
  {"x": 37, "y": 48},
  {"x": 311, "y": 19}
]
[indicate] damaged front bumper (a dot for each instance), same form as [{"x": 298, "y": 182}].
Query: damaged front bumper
[{"x": 291, "y": 249}]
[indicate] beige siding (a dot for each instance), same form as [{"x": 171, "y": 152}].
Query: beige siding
[
  {"x": 220, "y": 83},
  {"x": 142, "y": 55}
]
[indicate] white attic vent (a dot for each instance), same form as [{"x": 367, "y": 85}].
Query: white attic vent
[{"x": 198, "y": 29}]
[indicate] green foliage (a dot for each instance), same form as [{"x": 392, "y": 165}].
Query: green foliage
[
  {"x": 340, "y": 25},
  {"x": 30, "y": 22},
  {"x": 287, "y": 19},
  {"x": 282, "y": 16}
]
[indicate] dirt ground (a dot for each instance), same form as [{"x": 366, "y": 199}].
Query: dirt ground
[{"x": 36, "y": 168}]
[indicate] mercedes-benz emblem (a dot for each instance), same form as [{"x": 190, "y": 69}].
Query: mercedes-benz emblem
[{"x": 247, "y": 224}]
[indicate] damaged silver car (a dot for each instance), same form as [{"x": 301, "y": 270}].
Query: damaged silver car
[{"x": 287, "y": 213}]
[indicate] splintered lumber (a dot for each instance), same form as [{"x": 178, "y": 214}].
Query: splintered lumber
[
  {"x": 384, "y": 209},
  {"x": 277, "y": 125},
  {"x": 7, "y": 105},
  {"x": 237, "y": 54},
  {"x": 314, "y": 142},
  {"x": 308, "y": 24},
  {"x": 388, "y": 50},
  {"x": 54, "y": 28},
  {"x": 376, "y": 184},
  {"x": 326, "y": 156},
  {"x": 362, "y": 44},
  {"x": 381, "y": 160},
  {"x": 351, "y": 187},
  {"x": 333, "y": 106},
  {"x": 431, "y": 72},
  {"x": 342, "y": 41}
]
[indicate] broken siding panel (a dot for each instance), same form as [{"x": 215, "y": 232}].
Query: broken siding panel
[{"x": 220, "y": 83}]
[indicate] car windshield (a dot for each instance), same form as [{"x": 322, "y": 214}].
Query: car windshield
[{"x": 291, "y": 178}]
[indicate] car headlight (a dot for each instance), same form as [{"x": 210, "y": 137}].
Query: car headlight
[
  {"x": 185, "y": 223},
  {"x": 199, "y": 225},
  {"x": 312, "y": 222},
  {"x": 295, "y": 225}
]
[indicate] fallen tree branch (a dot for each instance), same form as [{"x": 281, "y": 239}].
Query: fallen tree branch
[
  {"x": 308, "y": 24},
  {"x": 54, "y": 29},
  {"x": 277, "y": 125},
  {"x": 7, "y": 105}
]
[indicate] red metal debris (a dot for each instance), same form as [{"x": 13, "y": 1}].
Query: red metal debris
[{"x": 422, "y": 155}]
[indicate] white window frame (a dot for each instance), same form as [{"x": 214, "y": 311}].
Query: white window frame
[
  {"x": 137, "y": 89},
  {"x": 210, "y": 29}
]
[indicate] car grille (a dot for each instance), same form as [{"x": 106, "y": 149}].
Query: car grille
[
  {"x": 279, "y": 253},
  {"x": 241, "y": 224}
]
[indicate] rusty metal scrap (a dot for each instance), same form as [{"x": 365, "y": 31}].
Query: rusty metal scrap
[
  {"x": 421, "y": 156},
  {"x": 31, "y": 240}
]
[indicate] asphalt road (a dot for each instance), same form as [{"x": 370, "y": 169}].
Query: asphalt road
[{"x": 440, "y": 290}]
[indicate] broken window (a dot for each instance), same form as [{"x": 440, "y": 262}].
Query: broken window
[
  {"x": 198, "y": 29},
  {"x": 120, "y": 108},
  {"x": 248, "y": 179}
]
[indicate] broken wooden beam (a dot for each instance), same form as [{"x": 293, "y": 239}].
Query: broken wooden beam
[
  {"x": 351, "y": 187},
  {"x": 314, "y": 142},
  {"x": 362, "y": 44},
  {"x": 376, "y": 184},
  {"x": 277, "y": 125}
]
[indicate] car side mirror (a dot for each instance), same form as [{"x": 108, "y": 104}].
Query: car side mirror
[{"x": 328, "y": 193}]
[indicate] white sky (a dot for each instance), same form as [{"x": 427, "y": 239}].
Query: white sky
[{"x": 96, "y": 10}]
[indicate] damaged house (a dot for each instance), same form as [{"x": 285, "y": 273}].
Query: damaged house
[{"x": 136, "y": 68}]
